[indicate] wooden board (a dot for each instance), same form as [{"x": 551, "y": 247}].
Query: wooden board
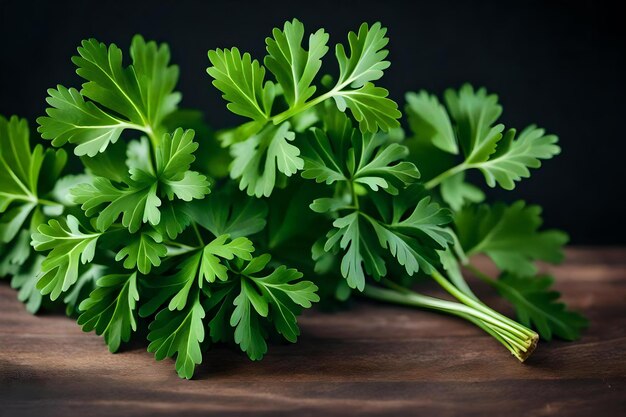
[{"x": 374, "y": 359}]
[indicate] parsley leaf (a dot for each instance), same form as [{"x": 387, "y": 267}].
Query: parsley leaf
[
  {"x": 211, "y": 266},
  {"x": 537, "y": 304},
  {"x": 110, "y": 309},
  {"x": 458, "y": 193},
  {"x": 293, "y": 66},
  {"x": 135, "y": 97},
  {"x": 258, "y": 149},
  {"x": 144, "y": 251},
  {"x": 412, "y": 240},
  {"x": 345, "y": 154},
  {"x": 138, "y": 200},
  {"x": 19, "y": 175},
  {"x": 256, "y": 159},
  {"x": 502, "y": 158},
  {"x": 241, "y": 79},
  {"x": 509, "y": 235},
  {"x": 69, "y": 247},
  {"x": 179, "y": 333}
]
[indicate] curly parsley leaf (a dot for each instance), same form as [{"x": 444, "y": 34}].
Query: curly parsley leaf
[
  {"x": 509, "y": 235},
  {"x": 110, "y": 309},
  {"x": 113, "y": 98},
  {"x": 537, "y": 305},
  {"x": 69, "y": 247}
]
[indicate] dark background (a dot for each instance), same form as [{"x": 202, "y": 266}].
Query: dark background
[{"x": 557, "y": 64}]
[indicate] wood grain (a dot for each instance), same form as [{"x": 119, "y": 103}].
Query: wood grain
[{"x": 373, "y": 359}]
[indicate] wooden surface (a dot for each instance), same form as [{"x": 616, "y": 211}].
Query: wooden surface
[{"x": 374, "y": 359}]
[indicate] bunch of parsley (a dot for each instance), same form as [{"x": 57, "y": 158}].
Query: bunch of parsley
[{"x": 194, "y": 231}]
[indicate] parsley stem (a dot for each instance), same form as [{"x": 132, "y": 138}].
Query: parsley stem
[
  {"x": 446, "y": 174},
  {"x": 470, "y": 302},
  {"x": 355, "y": 198},
  {"x": 197, "y": 232},
  {"x": 521, "y": 347}
]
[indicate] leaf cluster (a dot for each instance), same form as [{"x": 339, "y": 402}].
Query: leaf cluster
[{"x": 156, "y": 230}]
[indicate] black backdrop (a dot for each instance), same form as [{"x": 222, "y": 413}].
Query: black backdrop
[{"x": 557, "y": 64}]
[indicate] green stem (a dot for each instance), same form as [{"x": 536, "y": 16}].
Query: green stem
[
  {"x": 446, "y": 174},
  {"x": 198, "y": 235},
  {"x": 470, "y": 302},
  {"x": 45, "y": 202},
  {"x": 519, "y": 347},
  {"x": 289, "y": 113},
  {"x": 355, "y": 198}
]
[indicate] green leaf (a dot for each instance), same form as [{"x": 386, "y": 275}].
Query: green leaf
[
  {"x": 229, "y": 212},
  {"x": 191, "y": 186},
  {"x": 285, "y": 298},
  {"x": 71, "y": 119},
  {"x": 249, "y": 334},
  {"x": 174, "y": 154},
  {"x": 174, "y": 218},
  {"x": 429, "y": 120},
  {"x": 175, "y": 288},
  {"x": 19, "y": 175},
  {"x": 87, "y": 278},
  {"x": 514, "y": 156},
  {"x": 369, "y": 104},
  {"x": 139, "y": 156},
  {"x": 257, "y": 159},
  {"x": 537, "y": 305},
  {"x": 110, "y": 309},
  {"x": 137, "y": 202},
  {"x": 241, "y": 80},
  {"x": 347, "y": 155},
  {"x": 144, "y": 251},
  {"x": 135, "y": 97},
  {"x": 15, "y": 254},
  {"x": 219, "y": 248},
  {"x": 62, "y": 189},
  {"x": 293, "y": 66},
  {"x": 25, "y": 280},
  {"x": 69, "y": 247},
  {"x": 458, "y": 193},
  {"x": 414, "y": 239},
  {"x": 367, "y": 56},
  {"x": 179, "y": 333},
  {"x": 509, "y": 235},
  {"x": 475, "y": 112},
  {"x": 370, "y": 107},
  {"x": 360, "y": 250}
]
